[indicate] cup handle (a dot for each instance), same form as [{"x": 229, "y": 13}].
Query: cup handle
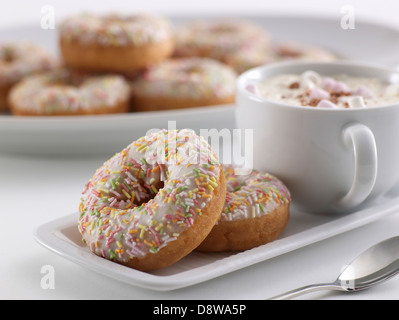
[{"x": 361, "y": 139}]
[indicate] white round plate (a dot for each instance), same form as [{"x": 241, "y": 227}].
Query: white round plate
[{"x": 110, "y": 133}]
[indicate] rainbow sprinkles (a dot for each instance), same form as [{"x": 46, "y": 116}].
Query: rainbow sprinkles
[
  {"x": 148, "y": 194},
  {"x": 252, "y": 195}
]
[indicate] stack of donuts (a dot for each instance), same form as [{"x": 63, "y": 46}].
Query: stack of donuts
[
  {"x": 117, "y": 63},
  {"x": 167, "y": 194}
]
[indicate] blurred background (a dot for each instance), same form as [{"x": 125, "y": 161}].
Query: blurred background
[
  {"x": 361, "y": 30},
  {"x": 17, "y": 12}
]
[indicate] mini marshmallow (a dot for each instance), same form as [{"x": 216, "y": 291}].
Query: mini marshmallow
[
  {"x": 309, "y": 80},
  {"x": 341, "y": 87},
  {"x": 312, "y": 76},
  {"x": 252, "y": 88},
  {"x": 307, "y": 84},
  {"x": 328, "y": 83},
  {"x": 333, "y": 85},
  {"x": 318, "y": 93},
  {"x": 356, "y": 102},
  {"x": 326, "y": 104}
]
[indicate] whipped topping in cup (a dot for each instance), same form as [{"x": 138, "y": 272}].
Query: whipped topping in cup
[{"x": 311, "y": 89}]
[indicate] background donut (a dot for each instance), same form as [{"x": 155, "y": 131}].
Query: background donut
[
  {"x": 19, "y": 60},
  {"x": 220, "y": 39},
  {"x": 57, "y": 93},
  {"x": 183, "y": 83},
  {"x": 115, "y": 42}
]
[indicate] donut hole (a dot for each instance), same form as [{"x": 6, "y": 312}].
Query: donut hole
[
  {"x": 151, "y": 193},
  {"x": 287, "y": 52},
  {"x": 62, "y": 79},
  {"x": 8, "y": 55},
  {"x": 58, "y": 94},
  {"x": 65, "y": 85},
  {"x": 193, "y": 70},
  {"x": 71, "y": 78},
  {"x": 223, "y": 29},
  {"x": 118, "y": 19},
  {"x": 115, "y": 23},
  {"x": 126, "y": 190}
]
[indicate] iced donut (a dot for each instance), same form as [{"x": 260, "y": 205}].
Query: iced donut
[
  {"x": 221, "y": 39},
  {"x": 154, "y": 202},
  {"x": 115, "y": 43},
  {"x": 301, "y": 51},
  {"x": 255, "y": 212},
  {"x": 18, "y": 60},
  {"x": 249, "y": 58},
  {"x": 57, "y": 93},
  {"x": 184, "y": 83}
]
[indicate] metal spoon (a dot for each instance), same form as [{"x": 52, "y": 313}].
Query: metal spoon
[{"x": 375, "y": 265}]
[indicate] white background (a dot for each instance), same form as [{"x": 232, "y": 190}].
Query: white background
[
  {"x": 22, "y": 11},
  {"x": 28, "y": 195}
]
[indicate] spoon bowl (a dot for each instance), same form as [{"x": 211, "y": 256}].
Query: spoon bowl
[{"x": 373, "y": 266}]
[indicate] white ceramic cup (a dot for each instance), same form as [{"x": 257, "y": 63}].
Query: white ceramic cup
[{"x": 332, "y": 160}]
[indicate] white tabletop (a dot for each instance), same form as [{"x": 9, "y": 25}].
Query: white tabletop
[{"x": 37, "y": 189}]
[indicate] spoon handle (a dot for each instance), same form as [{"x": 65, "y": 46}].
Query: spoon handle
[{"x": 307, "y": 289}]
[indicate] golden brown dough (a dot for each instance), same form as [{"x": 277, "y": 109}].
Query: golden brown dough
[
  {"x": 255, "y": 213},
  {"x": 115, "y": 43}
]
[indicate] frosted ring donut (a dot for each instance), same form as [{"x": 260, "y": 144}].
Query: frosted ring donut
[
  {"x": 154, "y": 202},
  {"x": 301, "y": 51},
  {"x": 250, "y": 58},
  {"x": 58, "y": 93},
  {"x": 115, "y": 43},
  {"x": 18, "y": 60},
  {"x": 184, "y": 83},
  {"x": 256, "y": 211},
  {"x": 220, "y": 39}
]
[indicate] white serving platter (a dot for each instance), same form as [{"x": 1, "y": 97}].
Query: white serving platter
[
  {"x": 108, "y": 134},
  {"x": 62, "y": 237}
]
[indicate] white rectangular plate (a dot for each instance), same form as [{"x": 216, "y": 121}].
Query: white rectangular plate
[{"x": 62, "y": 237}]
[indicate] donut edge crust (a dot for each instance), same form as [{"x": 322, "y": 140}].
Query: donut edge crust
[
  {"x": 151, "y": 103},
  {"x": 92, "y": 57},
  {"x": 246, "y": 234},
  {"x": 187, "y": 240},
  {"x": 4, "y": 93}
]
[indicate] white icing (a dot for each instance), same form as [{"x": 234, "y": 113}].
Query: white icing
[{"x": 118, "y": 214}]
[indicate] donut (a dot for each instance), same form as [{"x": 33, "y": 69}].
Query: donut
[
  {"x": 256, "y": 211},
  {"x": 183, "y": 83},
  {"x": 301, "y": 51},
  {"x": 57, "y": 93},
  {"x": 249, "y": 58},
  {"x": 220, "y": 39},
  {"x": 115, "y": 42},
  {"x": 18, "y": 60},
  {"x": 154, "y": 202}
]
